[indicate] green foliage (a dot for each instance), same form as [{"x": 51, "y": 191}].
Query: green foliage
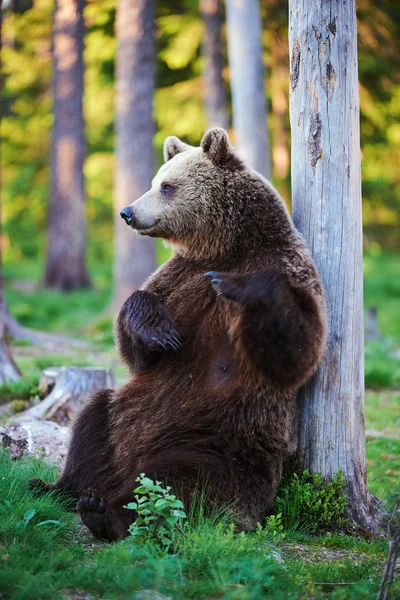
[
  {"x": 179, "y": 109},
  {"x": 308, "y": 503},
  {"x": 56, "y": 360},
  {"x": 381, "y": 369},
  {"x": 18, "y": 406},
  {"x": 159, "y": 513},
  {"x": 378, "y": 28},
  {"x": 51, "y": 310},
  {"x": 24, "y": 389},
  {"x": 274, "y": 525},
  {"x": 382, "y": 289}
]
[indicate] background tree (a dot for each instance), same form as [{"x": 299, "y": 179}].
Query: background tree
[
  {"x": 211, "y": 11},
  {"x": 134, "y": 255},
  {"x": 247, "y": 83},
  {"x": 326, "y": 199},
  {"x": 8, "y": 369},
  {"x": 65, "y": 265}
]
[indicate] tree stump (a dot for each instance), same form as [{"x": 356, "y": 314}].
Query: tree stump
[{"x": 66, "y": 390}]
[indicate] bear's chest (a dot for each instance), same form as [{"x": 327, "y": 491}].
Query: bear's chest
[{"x": 204, "y": 321}]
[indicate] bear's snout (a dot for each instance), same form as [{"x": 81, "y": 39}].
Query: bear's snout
[{"x": 127, "y": 215}]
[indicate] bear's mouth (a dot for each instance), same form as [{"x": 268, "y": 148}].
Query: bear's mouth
[{"x": 146, "y": 229}]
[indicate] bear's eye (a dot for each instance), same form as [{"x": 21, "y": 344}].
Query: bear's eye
[{"x": 166, "y": 187}]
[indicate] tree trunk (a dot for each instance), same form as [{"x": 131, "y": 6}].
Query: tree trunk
[
  {"x": 212, "y": 50},
  {"x": 247, "y": 83},
  {"x": 8, "y": 369},
  {"x": 134, "y": 254},
  {"x": 65, "y": 268},
  {"x": 326, "y": 197}
]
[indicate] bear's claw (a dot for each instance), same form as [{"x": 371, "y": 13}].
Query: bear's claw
[
  {"x": 162, "y": 341},
  {"x": 230, "y": 285},
  {"x": 145, "y": 318}
]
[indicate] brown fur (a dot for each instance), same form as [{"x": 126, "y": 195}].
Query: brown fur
[{"x": 216, "y": 359}]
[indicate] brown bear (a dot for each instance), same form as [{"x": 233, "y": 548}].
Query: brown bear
[{"x": 218, "y": 341}]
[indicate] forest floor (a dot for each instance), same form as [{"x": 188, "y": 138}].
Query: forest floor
[{"x": 59, "y": 559}]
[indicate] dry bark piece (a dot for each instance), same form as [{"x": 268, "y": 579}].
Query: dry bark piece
[
  {"x": 67, "y": 389},
  {"x": 42, "y": 439}
]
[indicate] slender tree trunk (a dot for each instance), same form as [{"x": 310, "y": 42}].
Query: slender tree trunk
[
  {"x": 8, "y": 325},
  {"x": 326, "y": 180},
  {"x": 134, "y": 255},
  {"x": 65, "y": 268},
  {"x": 247, "y": 83},
  {"x": 212, "y": 50},
  {"x": 8, "y": 369}
]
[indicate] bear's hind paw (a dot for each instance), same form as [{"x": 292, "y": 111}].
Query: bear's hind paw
[
  {"x": 91, "y": 501},
  {"x": 92, "y": 508}
]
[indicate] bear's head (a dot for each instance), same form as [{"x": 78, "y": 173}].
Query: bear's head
[{"x": 203, "y": 201}]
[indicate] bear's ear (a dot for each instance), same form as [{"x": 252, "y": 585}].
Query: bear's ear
[
  {"x": 173, "y": 146},
  {"x": 216, "y": 145}
]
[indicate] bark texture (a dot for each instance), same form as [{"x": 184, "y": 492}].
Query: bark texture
[
  {"x": 65, "y": 267},
  {"x": 8, "y": 369},
  {"x": 326, "y": 198},
  {"x": 211, "y": 11},
  {"x": 247, "y": 83},
  {"x": 134, "y": 255}
]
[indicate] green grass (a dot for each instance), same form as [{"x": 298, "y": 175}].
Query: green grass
[
  {"x": 19, "y": 390},
  {"x": 382, "y": 367},
  {"x": 40, "y": 561},
  {"x": 382, "y": 290},
  {"x": 382, "y": 413},
  {"x": 79, "y": 312},
  {"x": 57, "y": 312}
]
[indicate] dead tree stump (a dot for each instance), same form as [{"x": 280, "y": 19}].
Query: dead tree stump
[{"x": 66, "y": 390}]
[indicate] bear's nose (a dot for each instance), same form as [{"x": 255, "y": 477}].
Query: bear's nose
[{"x": 127, "y": 215}]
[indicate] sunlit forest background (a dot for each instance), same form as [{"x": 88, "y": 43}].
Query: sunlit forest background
[{"x": 179, "y": 110}]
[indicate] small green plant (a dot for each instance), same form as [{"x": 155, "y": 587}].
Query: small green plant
[
  {"x": 309, "y": 504},
  {"x": 274, "y": 525},
  {"x": 28, "y": 516},
  {"x": 18, "y": 405},
  {"x": 159, "y": 513}
]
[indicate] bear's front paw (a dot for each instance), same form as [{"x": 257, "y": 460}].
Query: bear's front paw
[
  {"x": 146, "y": 319},
  {"x": 230, "y": 285},
  {"x": 268, "y": 288},
  {"x": 163, "y": 337}
]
